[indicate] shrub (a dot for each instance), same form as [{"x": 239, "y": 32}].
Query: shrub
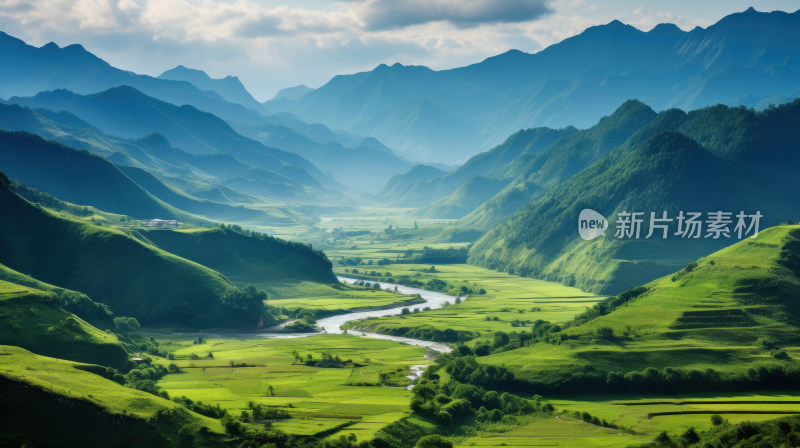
[{"x": 433, "y": 441}]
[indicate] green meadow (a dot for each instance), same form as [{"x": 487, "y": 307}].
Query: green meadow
[
  {"x": 350, "y": 399},
  {"x": 509, "y": 300},
  {"x": 332, "y": 299},
  {"x": 558, "y": 431},
  {"x": 652, "y": 414}
]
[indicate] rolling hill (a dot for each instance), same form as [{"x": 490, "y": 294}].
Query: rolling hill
[
  {"x": 32, "y": 318},
  {"x": 52, "y": 402},
  {"x": 694, "y": 161},
  {"x": 245, "y": 257},
  {"x": 749, "y": 58},
  {"x": 730, "y": 311},
  {"x": 132, "y": 278}
]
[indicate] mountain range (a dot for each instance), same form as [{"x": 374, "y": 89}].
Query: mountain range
[
  {"x": 713, "y": 159},
  {"x": 29, "y": 71},
  {"x": 750, "y": 58},
  {"x": 493, "y": 184}
]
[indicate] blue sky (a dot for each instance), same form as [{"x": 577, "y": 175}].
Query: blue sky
[{"x": 272, "y": 44}]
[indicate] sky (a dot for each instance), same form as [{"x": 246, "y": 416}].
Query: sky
[{"x": 273, "y": 44}]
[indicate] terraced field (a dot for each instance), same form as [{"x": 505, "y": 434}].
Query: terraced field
[{"x": 654, "y": 414}]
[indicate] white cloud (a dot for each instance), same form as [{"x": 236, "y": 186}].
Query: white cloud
[
  {"x": 271, "y": 44},
  {"x": 390, "y": 14}
]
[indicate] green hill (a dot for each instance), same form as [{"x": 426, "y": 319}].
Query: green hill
[
  {"x": 78, "y": 177},
  {"x": 533, "y": 173},
  {"x": 246, "y": 257},
  {"x": 420, "y": 187},
  {"x": 470, "y": 194},
  {"x": 730, "y": 311},
  {"x": 52, "y": 402},
  {"x": 33, "y": 319},
  {"x": 133, "y": 278},
  {"x": 728, "y": 159}
]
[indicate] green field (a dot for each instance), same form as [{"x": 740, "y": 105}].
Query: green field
[
  {"x": 653, "y": 414},
  {"x": 508, "y": 298},
  {"x": 639, "y": 420},
  {"x": 317, "y": 398},
  {"x": 558, "y": 431}
]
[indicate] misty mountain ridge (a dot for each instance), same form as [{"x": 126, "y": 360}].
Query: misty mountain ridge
[
  {"x": 750, "y": 58},
  {"x": 30, "y": 70}
]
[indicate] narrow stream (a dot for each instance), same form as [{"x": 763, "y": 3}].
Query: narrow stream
[{"x": 333, "y": 324}]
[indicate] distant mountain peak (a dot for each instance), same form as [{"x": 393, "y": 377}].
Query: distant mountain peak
[
  {"x": 228, "y": 87},
  {"x": 666, "y": 28},
  {"x": 395, "y": 66},
  {"x": 292, "y": 93},
  {"x": 183, "y": 71},
  {"x": 155, "y": 139},
  {"x": 50, "y": 46},
  {"x": 514, "y": 52}
]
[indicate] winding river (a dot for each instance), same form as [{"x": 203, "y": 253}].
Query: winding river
[{"x": 333, "y": 324}]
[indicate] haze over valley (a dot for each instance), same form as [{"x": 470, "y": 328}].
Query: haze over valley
[{"x": 592, "y": 243}]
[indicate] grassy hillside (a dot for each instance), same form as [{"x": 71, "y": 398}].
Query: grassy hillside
[
  {"x": 33, "y": 319},
  {"x": 533, "y": 173},
  {"x": 732, "y": 310},
  {"x": 51, "y": 402},
  {"x": 246, "y": 257},
  {"x": 133, "y": 278},
  {"x": 680, "y": 162}
]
